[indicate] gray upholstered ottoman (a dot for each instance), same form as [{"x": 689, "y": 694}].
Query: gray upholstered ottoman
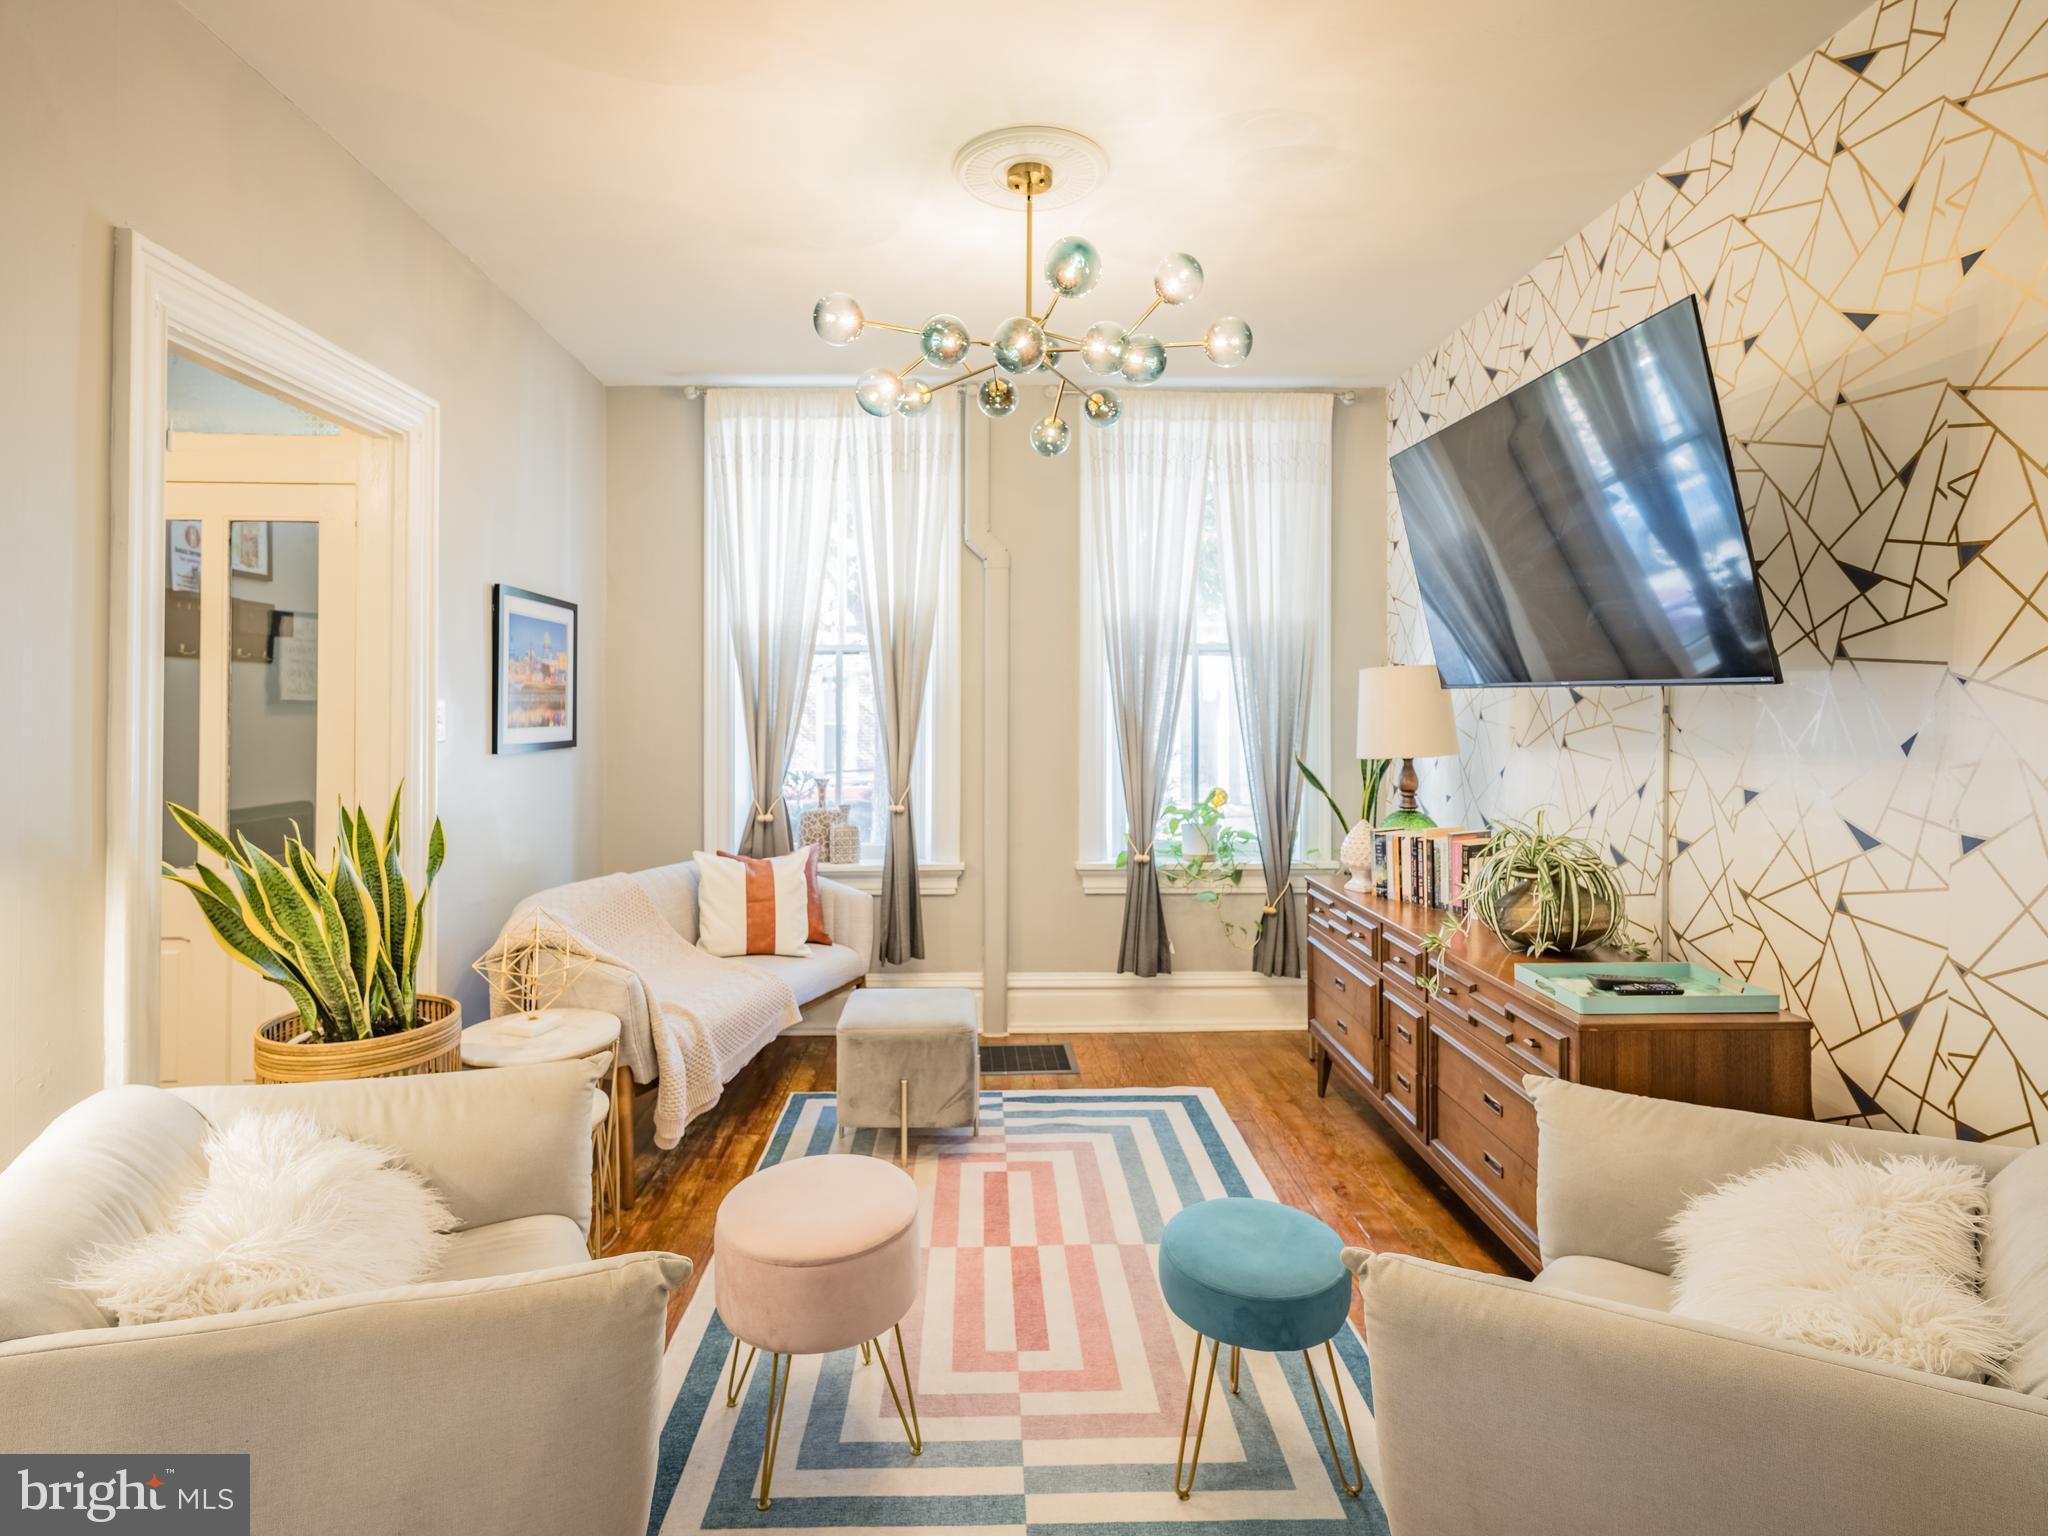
[{"x": 909, "y": 1056}]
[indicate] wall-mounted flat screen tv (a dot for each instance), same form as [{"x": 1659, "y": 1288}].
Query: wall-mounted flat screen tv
[{"x": 1585, "y": 528}]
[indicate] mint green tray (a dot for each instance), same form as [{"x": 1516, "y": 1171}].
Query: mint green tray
[{"x": 1705, "y": 991}]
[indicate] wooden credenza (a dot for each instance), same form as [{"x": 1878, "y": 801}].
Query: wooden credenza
[{"x": 1444, "y": 1066}]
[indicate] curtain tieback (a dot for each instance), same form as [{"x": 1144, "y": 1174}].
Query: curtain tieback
[
  {"x": 899, "y": 808},
  {"x": 767, "y": 816},
  {"x": 1138, "y": 855},
  {"x": 1273, "y": 906}
]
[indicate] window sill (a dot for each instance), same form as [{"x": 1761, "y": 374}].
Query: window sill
[
  {"x": 1108, "y": 880},
  {"x": 932, "y": 879}
]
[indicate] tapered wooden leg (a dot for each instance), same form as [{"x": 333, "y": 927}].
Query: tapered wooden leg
[
  {"x": 1323, "y": 1064},
  {"x": 629, "y": 1174}
]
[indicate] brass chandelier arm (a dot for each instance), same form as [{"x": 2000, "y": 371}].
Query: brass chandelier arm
[
  {"x": 1144, "y": 317},
  {"x": 1055, "y": 304},
  {"x": 915, "y": 363},
  {"x": 1072, "y": 341},
  {"x": 907, "y": 330},
  {"x": 1059, "y": 394},
  {"x": 1027, "y": 253},
  {"x": 962, "y": 378},
  {"x": 1184, "y": 343},
  {"x": 1080, "y": 389}
]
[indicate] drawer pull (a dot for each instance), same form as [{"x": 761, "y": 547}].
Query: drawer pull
[
  {"x": 1532, "y": 1043},
  {"x": 1402, "y": 1079},
  {"x": 1493, "y": 1104},
  {"x": 1499, "y": 1168},
  {"x": 1405, "y": 1033},
  {"x": 1344, "y": 1027},
  {"x": 1339, "y": 980}
]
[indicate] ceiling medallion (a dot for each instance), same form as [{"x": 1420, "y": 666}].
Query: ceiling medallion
[{"x": 1026, "y": 343}]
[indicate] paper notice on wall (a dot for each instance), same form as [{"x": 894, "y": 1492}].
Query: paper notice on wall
[{"x": 298, "y": 668}]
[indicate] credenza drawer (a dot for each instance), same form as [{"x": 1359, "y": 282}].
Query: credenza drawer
[
  {"x": 1475, "y": 1086},
  {"x": 1497, "y": 1170},
  {"x": 1345, "y": 1006},
  {"x": 1402, "y": 956},
  {"x": 1515, "y": 1037},
  {"x": 1403, "y": 1090},
  {"x": 1344, "y": 930},
  {"x": 1402, "y": 1025}
]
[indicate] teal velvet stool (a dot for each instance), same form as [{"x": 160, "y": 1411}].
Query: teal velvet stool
[{"x": 1255, "y": 1274}]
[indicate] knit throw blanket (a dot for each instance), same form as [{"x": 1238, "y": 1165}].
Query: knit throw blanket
[{"x": 701, "y": 1009}]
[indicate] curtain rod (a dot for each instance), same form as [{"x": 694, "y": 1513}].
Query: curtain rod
[{"x": 1341, "y": 396}]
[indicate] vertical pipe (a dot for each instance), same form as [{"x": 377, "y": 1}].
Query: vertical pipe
[{"x": 1027, "y": 254}]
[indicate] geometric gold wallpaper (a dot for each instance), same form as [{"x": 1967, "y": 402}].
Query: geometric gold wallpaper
[{"x": 1868, "y": 237}]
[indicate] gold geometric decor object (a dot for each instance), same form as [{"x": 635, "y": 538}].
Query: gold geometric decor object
[
  {"x": 533, "y": 972},
  {"x": 1868, "y": 240}
]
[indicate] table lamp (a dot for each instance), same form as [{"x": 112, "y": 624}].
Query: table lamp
[{"x": 1405, "y": 713}]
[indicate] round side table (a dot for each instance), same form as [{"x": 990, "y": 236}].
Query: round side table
[{"x": 566, "y": 1034}]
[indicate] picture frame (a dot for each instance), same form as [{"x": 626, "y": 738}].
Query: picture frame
[
  {"x": 249, "y": 549},
  {"x": 534, "y": 642}
]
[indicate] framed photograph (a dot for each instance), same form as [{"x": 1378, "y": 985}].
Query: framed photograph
[
  {"x": 533, "y": 671},
  {"x": 249, "y": 549},
  {"x": 184, "y": 567}
]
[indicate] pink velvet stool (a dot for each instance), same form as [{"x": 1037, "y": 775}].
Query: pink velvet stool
[{"x": 813, "y": 1255}]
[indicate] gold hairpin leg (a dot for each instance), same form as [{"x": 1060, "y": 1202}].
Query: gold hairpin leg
[
  {"x": 736, "y": 1374},
  {"x": 1236, "y": 1354},
  {"x": 771, "y": 1436},
  {"x": 912, "y": 1430},
  {"x": 1187, "y": 1486},
  {"x": 1356, "y": 1481},
  {"x": 864, "y": 1352}
]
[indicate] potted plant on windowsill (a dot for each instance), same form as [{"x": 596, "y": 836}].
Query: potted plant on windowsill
[{"x": 343, "y": 942}]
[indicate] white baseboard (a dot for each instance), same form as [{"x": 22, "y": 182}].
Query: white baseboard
[{"x": 1105, "y": 1002}]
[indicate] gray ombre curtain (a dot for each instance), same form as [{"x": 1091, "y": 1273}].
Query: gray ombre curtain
[
  {"x": 1272, "y": 456},
  {"x": 1142, "y": 482},
  {"x": 906, "y": 489},
  {"x": 775, "y": 461}
]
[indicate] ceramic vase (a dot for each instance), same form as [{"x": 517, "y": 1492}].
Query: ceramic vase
[
  {"x": 816, "y": 828},
  {"x": 1356, "y": 856},
  {"x": 845, "y": 844}
]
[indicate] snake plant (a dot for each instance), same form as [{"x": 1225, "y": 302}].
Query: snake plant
[
  {"x": 1372, "y": 772},
  {"x": 1546, "y": 891},
  {"x": 343, "y": 942}
]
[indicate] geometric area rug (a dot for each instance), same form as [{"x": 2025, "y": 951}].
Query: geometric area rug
[{"x": 1050, "y": 1375}]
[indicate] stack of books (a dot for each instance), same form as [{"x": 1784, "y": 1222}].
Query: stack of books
[{"x": 1428, "y": 867}]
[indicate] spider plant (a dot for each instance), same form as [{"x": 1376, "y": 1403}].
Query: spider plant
[
  {"x": 343, "y": 942},
  {"x": 1546, "y": 892}
]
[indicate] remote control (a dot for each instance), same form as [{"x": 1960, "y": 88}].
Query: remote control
[{"x": 1635, "y": 986}]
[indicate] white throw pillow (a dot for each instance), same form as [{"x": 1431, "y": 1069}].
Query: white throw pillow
[
  {"x": 753, "y": 906},
  {"x": 288, "y": 1212},
  {"x": 2016, "y": 1264},
  {"x": 1869, "y": 1258}
]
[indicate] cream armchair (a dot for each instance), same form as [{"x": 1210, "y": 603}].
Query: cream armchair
[
  {"x": 516, "y": 1392},
  {"x": 1574, "y": 1405}
]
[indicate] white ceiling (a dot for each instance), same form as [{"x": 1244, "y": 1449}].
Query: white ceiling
[{"x": 667, "y": 187}]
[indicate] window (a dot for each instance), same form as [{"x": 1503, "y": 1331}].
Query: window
[
  {"x": 1208, "y": 747},
  {"x": 838, "y": 741}
]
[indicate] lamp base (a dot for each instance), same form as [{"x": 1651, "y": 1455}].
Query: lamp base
[{"x": 1404, "y": 820}]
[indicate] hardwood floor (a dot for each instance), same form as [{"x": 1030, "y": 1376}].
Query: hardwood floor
[{"x": 1331, "y": 1156}]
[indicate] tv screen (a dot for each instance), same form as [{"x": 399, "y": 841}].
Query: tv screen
[{"x": 1585, "y": 528}]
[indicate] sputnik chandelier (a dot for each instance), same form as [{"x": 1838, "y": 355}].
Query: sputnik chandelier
[{"x": 1026, "y": 344}]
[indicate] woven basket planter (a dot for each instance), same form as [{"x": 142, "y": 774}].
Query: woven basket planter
[{"x": 435, "y": 1045}]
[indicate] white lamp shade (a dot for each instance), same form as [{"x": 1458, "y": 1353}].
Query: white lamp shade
[{"x": 1405, "y": 712}]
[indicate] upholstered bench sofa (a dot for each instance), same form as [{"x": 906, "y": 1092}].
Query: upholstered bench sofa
[{"x": 819, "y": 978}]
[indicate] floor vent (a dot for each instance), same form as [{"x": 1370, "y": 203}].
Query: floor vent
[{"x": 1026, "y": 1060}]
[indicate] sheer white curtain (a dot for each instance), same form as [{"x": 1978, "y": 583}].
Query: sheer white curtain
[
  {"x": 906, "y": 488},
  {"x": 776, "y": 460},
  {"x": 1272, "y": 469},
  {"x": 1142, "y": 483}
]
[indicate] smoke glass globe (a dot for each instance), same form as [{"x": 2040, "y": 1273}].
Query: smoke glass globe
[
  {"x": 1228, "y": 342},
  {"x": 878, "y": 390},
  {"x": 1144, "y": 360},
  {"x": 838, "y": 320},
  {"x": 1102, "y": 346},
  {"x": 1178, "y": 278},
  {"x": 1049, "y": 437},
  {"x": 1019, "y": 345},
  {"x": 943, "y": 340},
  {"x": 1072, "y": 266},
  {"x": 1102, "y": 406},
  {"x": 996, "y": 397},
  {"x": 916, "y": 398}
]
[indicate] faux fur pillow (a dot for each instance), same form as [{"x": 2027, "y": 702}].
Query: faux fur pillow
[
  {"x": 288, "y": 1212},
  {"x": 1869, "y": 1258}
]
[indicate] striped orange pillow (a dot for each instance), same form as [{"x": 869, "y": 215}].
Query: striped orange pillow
[{"x": 815, "y": 903}]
